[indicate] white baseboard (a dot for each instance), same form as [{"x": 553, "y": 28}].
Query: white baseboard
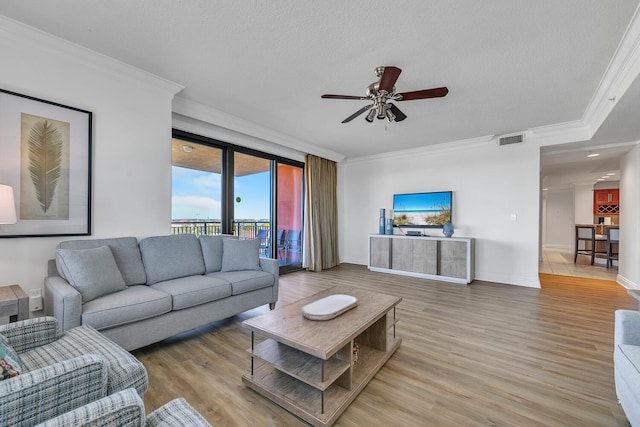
[{"x": 627, "y": 283}]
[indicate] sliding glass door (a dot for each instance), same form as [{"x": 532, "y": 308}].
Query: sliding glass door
[
  {"x": 196, "y": 188},
  {"x": 252, "y": 199},
  {"x": 289, "y": 203},
  {"x": 220, "y": 188}
]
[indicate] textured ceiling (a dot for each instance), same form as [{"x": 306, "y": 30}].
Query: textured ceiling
[{"x": 510, "y": 65}]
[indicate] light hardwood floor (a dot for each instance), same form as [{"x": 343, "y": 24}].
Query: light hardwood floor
[{"x": 480, "y": 355}]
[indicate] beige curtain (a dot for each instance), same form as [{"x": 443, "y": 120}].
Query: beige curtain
[{"x": 321, "y": 214}]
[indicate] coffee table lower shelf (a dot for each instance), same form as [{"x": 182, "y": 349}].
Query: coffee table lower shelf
[{"x": 308, "y": 402}]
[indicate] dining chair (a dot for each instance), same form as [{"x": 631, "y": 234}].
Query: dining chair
[
  {"x": 587, "y": 235},
  {"x": 263, "y": 235},
  {"x": 281, "y": 244},
  {"x": 294, "y": 245},
  {"x": 613, "y": 240}
]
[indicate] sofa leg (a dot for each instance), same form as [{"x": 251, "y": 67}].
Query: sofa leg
[{"x": 272, "y": 306}]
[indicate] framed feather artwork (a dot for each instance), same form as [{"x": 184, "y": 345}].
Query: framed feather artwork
[{"x": 45, "y": 156}]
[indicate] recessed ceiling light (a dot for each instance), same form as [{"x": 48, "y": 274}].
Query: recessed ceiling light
[
  {"x": 605, "y": 177},
  {"x": 187, "y": 148},
  {"x": 593, "y": 154},
  {"x": 545, "y": 189},
  {"x": 600, "y": 179},
  {"x": 611, "y": 173}
]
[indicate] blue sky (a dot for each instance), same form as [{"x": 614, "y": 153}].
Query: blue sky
[
  {"x": 196, "y": 195},
  {"x": 421, "y": 201}
]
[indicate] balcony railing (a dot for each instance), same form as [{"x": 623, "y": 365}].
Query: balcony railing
[
  {"x": 288, "y": 251},
  {"x": 243, "y": 228}
]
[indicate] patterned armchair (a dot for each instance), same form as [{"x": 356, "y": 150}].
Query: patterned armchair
[
  {"x": 62, "y": 372},
  {"x": 126, "y": 409}
]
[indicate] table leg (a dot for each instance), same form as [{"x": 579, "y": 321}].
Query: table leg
[{"x": 252, "y": 353}]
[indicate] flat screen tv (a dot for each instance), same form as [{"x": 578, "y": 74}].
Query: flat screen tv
[{"x": 427, "y": 210}]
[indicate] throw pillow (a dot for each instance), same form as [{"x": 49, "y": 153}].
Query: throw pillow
[
  {"x": 93, "y": 272},
  {"x": 212, "y": 250},
  {"x": 240, "y": 255},
  {"x": 10, "y": 363}
]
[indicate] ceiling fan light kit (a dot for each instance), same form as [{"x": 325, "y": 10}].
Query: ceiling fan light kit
[{"x": 383, "y": 91}]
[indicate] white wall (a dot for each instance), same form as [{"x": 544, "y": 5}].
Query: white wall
[
  {"x": 629, "y": 267},
  {"x": 583, "y": 204},
  {"x": 131, "y": 140},
  {"x": 560, "y": 231},
  {"x": 489, "y": 184}
]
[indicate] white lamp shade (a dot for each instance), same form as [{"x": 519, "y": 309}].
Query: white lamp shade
[{"x": 7, "y": 205}]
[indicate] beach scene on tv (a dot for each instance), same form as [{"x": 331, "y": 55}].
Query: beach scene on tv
[{"x": 422, "y": 209}]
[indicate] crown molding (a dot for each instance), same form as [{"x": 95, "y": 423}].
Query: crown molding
[
  {"x": 622, "y": 70},
  {"x": 204, "y": 113},
  {"x": 560, "y": 133},
  {"x": 198, "y": 127},
  {"x": 445, "y": 147},
  {"x": 12, "y": 31}
]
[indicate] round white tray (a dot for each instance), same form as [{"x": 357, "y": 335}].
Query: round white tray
[{"x": 329, "y": 307}]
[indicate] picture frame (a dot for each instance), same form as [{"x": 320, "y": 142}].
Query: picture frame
[{"x": 45, "y": 156}]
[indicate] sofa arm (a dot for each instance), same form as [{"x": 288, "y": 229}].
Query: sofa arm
[
  {"x": 627, "y": 327},
  {"x": 31, "y": 333},
  {"x": 176, "y": 413},
  {"x": 124, "y": 409},
  {"x": 62, "y": 301},
  {"x": 272, "y": 266},
  {"x": 44, "y": 393}
]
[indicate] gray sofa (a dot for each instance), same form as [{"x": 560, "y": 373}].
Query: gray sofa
[
  {"x": 626, "y": 363},
  {"x": 140, "y": 293}
]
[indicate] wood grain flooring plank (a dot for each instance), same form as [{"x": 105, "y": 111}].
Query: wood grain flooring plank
[{"x": 486, "y": 354}]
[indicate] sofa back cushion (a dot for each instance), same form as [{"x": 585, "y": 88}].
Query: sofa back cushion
[
  {"x": 171, "y": 257},
  {"x": 93, "y": 272},
  {"x": 125, "y": 253},
  {"x": 241, "y": 255},
  {"x": 212, "y": 250}
]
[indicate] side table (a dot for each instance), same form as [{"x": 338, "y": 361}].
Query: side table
[{"x": 14, "y": 302}]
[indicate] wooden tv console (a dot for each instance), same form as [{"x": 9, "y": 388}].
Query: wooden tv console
[{"x": 449, "y": 259}]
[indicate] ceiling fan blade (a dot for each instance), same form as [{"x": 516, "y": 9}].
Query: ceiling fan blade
[
  {"x": 389, "y": 78},
  {"x": 437, "y": 92},
  {"x": 357, "y": 113},
  {"x": 328, "y": 96},
  {"x": 400, "y": 116}
]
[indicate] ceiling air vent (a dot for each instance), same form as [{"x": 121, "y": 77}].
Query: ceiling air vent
[{"x": 514, "y": 138}]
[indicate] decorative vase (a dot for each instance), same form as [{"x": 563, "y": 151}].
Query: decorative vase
[
  {"x": 389, "y": 227},
  {"x": 381, "y": 228},
  {"x": 447, "y": 229}
]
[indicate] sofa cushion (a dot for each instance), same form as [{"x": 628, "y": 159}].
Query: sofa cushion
[
  {"x": 131, "y": 305},
  {"x": 626, "y": 367},
  {"x": 124, "y": 371},
  {"x": 93, "y": 272},
  {"x": 212, "y": 250},
  {"x": 125, "y": 252},
  {"x": 240, "y": 255},
  {"x": 10, "y": 363},
  {"x": 194, "y": 290},
  {"x": 627, "y": 362},
  {"x": 171, "y": 257},
  {"x": 246, "y": 280}
]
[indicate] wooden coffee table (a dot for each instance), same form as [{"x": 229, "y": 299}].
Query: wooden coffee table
[{"x": 309, "y": 367}]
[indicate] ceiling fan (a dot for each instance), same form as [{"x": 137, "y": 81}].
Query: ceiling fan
[{"x": 383, "y": 91}]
